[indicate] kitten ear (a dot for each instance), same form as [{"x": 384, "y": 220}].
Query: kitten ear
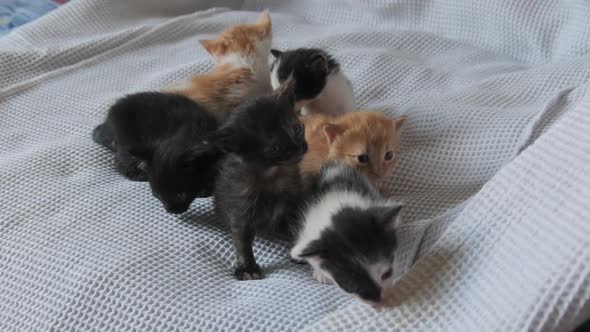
[
  {"x": 331, "y": 131},
  {"x": 388, "y": 215},
  {"x": 265, "y": 24},
  {"x": 398, "y": 122},
  {"x": 224, "y": 140},
  {"x": 142, "y": 152},
  {"x": 276, "y": 53},
  {"x": 203, "y": 153},
  {"x": 211, "y": 46},
  {"x": 319, "y": 64}
]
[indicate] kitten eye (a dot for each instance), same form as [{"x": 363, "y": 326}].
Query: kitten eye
[
  {"x": 387, "y": 274},
  {"x": 388, "y": 155},
  {"x": 363, "y": 158},
  {"x": 298, "y": 129},
  {"x": 275, "y": 148}
]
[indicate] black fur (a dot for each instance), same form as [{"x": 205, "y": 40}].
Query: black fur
[
  {"x": 258, "y": 189},
  {"x": 310, "y": 67},
  {"x": 159, "y": 137},
  {"x": 357, "y": 236}
]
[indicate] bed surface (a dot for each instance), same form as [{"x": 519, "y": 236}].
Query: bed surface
[
  {"x": 14, "y": 13},
  {"x": 493, "y": 169}
]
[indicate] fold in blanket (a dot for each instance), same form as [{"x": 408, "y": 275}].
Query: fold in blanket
[{"x": 492, "y": 169}]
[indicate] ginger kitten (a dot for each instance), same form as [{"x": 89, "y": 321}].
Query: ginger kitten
[
  {"x": 366, "y": 140},
  {"x": 241, "y": 68}
]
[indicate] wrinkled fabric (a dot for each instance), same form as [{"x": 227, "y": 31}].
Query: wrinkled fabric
[{"x": 493, "y": 169}]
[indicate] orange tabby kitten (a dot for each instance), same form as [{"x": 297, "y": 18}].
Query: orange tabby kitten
[
  {"x": 241, "y": 67},
  {"x": 366, "y": 140}
]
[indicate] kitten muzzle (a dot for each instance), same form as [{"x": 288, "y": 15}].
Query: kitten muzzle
[
  {"x": 296, "y": 158},
  {"x": 176, "y": 208},
  {"x": 372, "y": 297},
  {"x": 292, "y": 161},
  {"x": 380, "y": 172}
]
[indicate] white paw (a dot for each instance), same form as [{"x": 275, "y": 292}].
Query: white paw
[{"x": 322, "y": 277}]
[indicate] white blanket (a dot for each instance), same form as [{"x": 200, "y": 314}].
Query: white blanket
[{"x": 494, "y": 169}]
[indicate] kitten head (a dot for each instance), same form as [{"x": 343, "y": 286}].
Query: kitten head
[
  {"x": 367, "y": 140},
  {"x": 241, "y": 41},
  {"x": 308, "y": 65},
  {"x": 356, "y": 249},
  {"x": 178, "y": 174},
  {"x": 264, "y": 131}
]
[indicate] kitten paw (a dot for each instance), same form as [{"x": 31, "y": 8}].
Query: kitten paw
[
  {"x": 322, "y": 277},
  {"x": 252, "y": 272},
  {"x": 296, "y": 261},
  {"x": 135, "y": 173}
]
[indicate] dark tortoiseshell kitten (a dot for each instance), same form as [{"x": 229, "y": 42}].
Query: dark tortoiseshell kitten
[{"x": 258, "y": 189}]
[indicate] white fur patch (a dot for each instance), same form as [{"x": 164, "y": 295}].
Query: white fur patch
[
  {"x": 319, "y": 274},
  {"x": 377, "y": 270},
  {"x": 274, "y": 75},
  {"x": 319, "y": 217},
  {"x": 333, "y": 171},
  {"x": 259, "y": 66},
  {"x": 336, "y": 98},
  {"x": 235, "y": 59}
]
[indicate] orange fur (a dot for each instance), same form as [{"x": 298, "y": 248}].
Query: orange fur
[
  {"x": 240, "y": 39},
  {"x": 214, "y": 89},
  {"x": 346, "y": 136},
  {"x": 241, "y": 67}
]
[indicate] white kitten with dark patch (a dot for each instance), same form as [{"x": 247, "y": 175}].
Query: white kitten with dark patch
[
  {"x": 336, "y": 95},
  {"x": 259, "y": 187},
  {"x": 347, "y": 233}
]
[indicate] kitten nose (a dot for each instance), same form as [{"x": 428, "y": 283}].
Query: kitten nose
[
  {"x": 175, "y": 209},
  {"x": 380, "y": 171}
]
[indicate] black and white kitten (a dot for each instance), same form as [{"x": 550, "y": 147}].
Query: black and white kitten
[
  {"x": 336, "y": 95},
  {"x": 259, "y": 188},
  {"x": 159, "y": 137},
  {"x": 347, "y": 233}
]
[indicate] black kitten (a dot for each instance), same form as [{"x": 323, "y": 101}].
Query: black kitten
[
  {"x": 321, "y": 86},
  {"x": 258, "y": 189},
  {"x": 347, "y": 233},
  {"x": 159, "y": 137}
]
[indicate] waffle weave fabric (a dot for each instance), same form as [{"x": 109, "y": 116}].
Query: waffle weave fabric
[{"x": 493, "y": 171}]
